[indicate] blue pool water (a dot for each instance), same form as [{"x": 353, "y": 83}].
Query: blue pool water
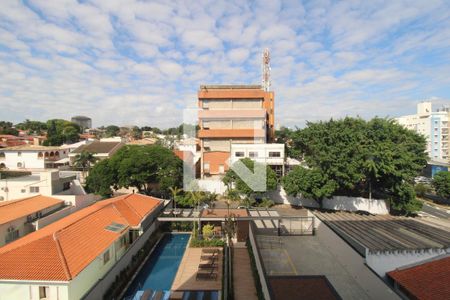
[{"x": 160, "y": 269}]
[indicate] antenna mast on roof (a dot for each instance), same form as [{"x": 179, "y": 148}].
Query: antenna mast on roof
[{"x": 266, "y": 70}]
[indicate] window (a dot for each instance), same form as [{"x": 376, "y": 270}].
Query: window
[
  {"x": 11, "y": 235},
  {"x": 34, "y": 189},
  {"x": 206, "y": 166},
  {"x": 253, "y": 154},
  {"x": 2, "y": 154},
  {"x": 19, "y": 153},
  {"x": 221, "y": 169},
  {"x": 239, "y": 154},
  {"x": 43, "y": 292},
  {"x": 123, "y": 241},
  {"x": 19, "y": 165},
  {"x": 274, "y": 154},
  {"x": 106, "y": 257},
  {"x": 23, "y": 190}
]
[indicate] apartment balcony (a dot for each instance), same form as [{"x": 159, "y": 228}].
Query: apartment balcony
[
  {"x": 233, "y": 114},
  {"x": 231, "y": 133}
]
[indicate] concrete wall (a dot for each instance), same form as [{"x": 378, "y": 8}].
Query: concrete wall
[
  {"x": 16, "y": 290},
  {"x": 210, "y": 185},
  {"x": 259, "y": 266},
  {"x": 374, "y": 206},
  {"x": 384, "y": 262}
]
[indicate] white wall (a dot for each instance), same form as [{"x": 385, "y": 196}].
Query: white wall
[
  {"x": 384, "y": 262},
  {"x": 374, "y": 206},
  {"x": 17, "y": 290},
  {"x": 211, "y": 185}
]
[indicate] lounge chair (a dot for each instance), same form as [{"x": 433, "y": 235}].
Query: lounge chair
[
  {"x": 147, "y": 295},
  {"x": 206, "y": 275},
  {"x": 210, "y": 251},
  {"x": 158, "y": 295},
  {"x": 207, "y": 266}
]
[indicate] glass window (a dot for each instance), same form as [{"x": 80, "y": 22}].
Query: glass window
[
  {"x": 274, "y": 154},
  {"x": 34, "y": 189},
  {"x": 239, "y": 154},
  {"x": 253, "y": 154},
  {"x": 43, "y": 292},
  {"x": 19, "y": 153},
  {"x": 106, "y": 257}
]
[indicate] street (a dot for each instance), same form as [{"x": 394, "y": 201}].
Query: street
[{"x": 436, "y": 212}]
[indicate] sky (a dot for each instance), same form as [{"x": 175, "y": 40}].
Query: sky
[{"x": 142, "y": 62}]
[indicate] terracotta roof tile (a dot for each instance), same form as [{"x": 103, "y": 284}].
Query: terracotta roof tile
[
  {"x": 428, "y": 281},
  {"x": 61, "y": 250},
  {"x": 15, "y": 209}
]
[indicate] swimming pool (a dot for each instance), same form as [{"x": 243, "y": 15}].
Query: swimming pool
[{"x": 160, "y": 269}]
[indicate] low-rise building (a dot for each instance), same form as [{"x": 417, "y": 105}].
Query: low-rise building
[
  {"x": 100, "y": 149},
  {"x": 31, "y": 157},
  {"x": 67, "y": 258},
  {"x": 17, "y": 216},
  {"x": 269, "y": 154}
]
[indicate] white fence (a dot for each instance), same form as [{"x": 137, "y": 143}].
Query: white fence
[{"x": 374, "y": 206}]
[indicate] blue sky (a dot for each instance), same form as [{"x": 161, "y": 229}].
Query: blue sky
[{"x": 141, "y": 62}]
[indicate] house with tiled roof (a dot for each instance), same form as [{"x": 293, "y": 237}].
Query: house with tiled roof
[
  {"x": 17, "y": 216},
  {"x": 424, "y": 281},
  {"x": 101, "y": 149},
  {"x": 67, "y": 258}
]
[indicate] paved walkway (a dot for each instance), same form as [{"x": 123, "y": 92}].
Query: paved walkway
[
  {"x": 185, "y": 280},
  {"x": 244, "y": 286}
]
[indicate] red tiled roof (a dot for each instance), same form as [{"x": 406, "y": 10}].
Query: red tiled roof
[
  {"x": 428, "y": 281},
  {"x": 15, "y": 209},
  {"x": 61, "y": 250}
]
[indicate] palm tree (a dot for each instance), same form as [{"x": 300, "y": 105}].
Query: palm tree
[
  {"x": 84, "y": 160},
  {"x": 175, "y": 191}
]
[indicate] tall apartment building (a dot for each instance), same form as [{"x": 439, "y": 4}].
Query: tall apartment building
[
  {"x": 434, "y": 125},
  {"x": 232, "y": 114}
]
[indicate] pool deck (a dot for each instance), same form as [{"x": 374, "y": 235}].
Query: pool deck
[{"x": 185, "y": 280}]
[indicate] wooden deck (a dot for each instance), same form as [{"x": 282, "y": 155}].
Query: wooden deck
[
  {"x": 244, "y": 285},
  {"x": 185, "y": 280}
]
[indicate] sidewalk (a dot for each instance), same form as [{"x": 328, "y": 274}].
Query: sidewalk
[{"x": 244, "y": 286}]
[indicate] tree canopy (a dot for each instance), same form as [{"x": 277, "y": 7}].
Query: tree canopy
[
  {"x": 355, "y": 157},
  {"x": 61, "y": 131},
  {"x": 231, "y": 178},
  {"x": 7, "y": 128},
  {"x": 441, "y": 184},
  {"x": 147, "y": 168}
]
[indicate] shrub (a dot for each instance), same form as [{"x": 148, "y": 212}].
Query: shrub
[
  {"x": 208, "y": 231},
  {"x": 422, "y": 189},
  {"x": 197, "y": 243},
  {"x": 441, "y": 183}
]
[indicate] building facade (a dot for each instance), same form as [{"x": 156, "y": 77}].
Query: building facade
[
  {"x": 434, "y": 125},
  {"x": 31, "y": 157},
  {"x": 230, "y": 114}
]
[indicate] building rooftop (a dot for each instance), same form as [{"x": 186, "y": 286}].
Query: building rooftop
[
  {"x": 231, "y": 86},
  {"x": 384, "y": 232},
  {"x": 223, "y": 212},
  {"x": 61, "y": 250},
  {"x": 97, "y": 147},
  {"x": 425, "y": 281},
  {"x": 309, "y": 287},
  {"x": 15, "y": 209},
  {"x": 32, "y": 148}
]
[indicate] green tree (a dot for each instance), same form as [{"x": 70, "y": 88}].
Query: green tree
[
  {"x": 421, "y": 189},
  {"x": 174, "y": 190},
  {"x": 112, "y": 130},
  {"x": 7, "y": 128},
  {"x": 136, "y": 133},
  {"x": 85, "y": 160},
  {"x": 148, "y": 168},
  {"x": 360, "y": 158},
  {"x": 310, "y": 183},
  {"x": 232, "y": 179},
  {"x": 61, "y": 131},
  {"x": 101, "y": 179},
  {"x": 441, "y": 184}
]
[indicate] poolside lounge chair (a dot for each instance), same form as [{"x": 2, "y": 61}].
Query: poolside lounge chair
[
  {"x": 210, "y": 251},
  {"x": 207, "y": 266},
  {"x": 158, "y": 295},
  {"x": 206, "y": 275},
  {"x": 209, "y": 256},
  {"x": 147, "y": 294}
]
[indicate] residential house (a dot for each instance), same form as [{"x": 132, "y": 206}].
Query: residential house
[
  {"x": 17, "y": 216},
  {"x": 31, "y": 157},
  {"x": 101, "y": 149},
  {"x": 66, "y": 259}
]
